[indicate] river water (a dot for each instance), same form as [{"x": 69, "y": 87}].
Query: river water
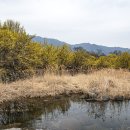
[{"x": 65, "y": 114}]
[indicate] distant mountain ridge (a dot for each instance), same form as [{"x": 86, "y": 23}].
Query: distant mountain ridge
[
  {"x": 52, "y": 41},
  {"x": 87, "y": 46},
  {"x": 95, "y": 48}
]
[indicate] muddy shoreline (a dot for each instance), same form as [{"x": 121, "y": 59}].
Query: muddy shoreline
[{"x": 86, "y": 97}]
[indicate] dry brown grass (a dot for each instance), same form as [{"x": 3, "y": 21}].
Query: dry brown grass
[{"x": 100, "y": 84}]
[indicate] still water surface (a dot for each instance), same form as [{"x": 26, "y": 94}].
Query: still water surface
[{"x": 65, "y": 114}]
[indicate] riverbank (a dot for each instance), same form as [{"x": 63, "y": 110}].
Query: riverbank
[{"x": 101, "y": 85}]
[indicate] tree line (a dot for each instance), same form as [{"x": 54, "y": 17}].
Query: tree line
[{"x": 21, "y": 57}]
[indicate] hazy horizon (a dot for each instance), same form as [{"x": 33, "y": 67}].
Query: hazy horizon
[
  {"x": 102, "y": 22},
  {"x": 80, "y": 42}
]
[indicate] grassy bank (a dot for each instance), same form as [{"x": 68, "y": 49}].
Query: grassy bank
[{"x": 100, "y": 85}]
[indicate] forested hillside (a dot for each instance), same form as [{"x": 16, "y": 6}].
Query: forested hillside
[{"x": 21, "y": 58}]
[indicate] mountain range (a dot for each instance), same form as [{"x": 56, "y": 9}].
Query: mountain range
[{"x": 87, "y": 46}]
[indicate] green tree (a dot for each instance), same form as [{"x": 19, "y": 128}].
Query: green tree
[
  {"x": 79, "y": 59},
  {"x": 123, "y": 61},
  {"x": 19, "y": 56},
  {"x": 12, "y": 26},
  {"x": 49, "y": 57}
]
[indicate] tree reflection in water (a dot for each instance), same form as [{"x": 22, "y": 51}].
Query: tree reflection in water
[
  {"x": 19, "y": 112},
  {"x": 74, "y": 114}
]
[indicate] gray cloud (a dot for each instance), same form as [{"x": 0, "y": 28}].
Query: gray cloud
[{"x": 74, "y": 21}]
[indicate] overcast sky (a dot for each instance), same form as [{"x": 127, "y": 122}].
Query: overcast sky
[{"x": 105, "y": 22}]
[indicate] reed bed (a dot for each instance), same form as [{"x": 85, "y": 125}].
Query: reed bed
[{"x": 108, "y": 84}]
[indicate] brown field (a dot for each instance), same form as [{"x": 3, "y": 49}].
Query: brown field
[{"x": 100, "y": 85}]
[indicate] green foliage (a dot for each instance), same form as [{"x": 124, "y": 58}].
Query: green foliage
[
  {"x": 79, "y": 59},
  {"x": 49, "y": 57},
  {"x": 18, "y": 54},
  {"x": 20, "y": 57},
  {"x": 123, "y": 61},
  {"x": 106, "y": 61},
  {"x": 13, "y": 26},
  {"x": 64, "y": 56}
]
